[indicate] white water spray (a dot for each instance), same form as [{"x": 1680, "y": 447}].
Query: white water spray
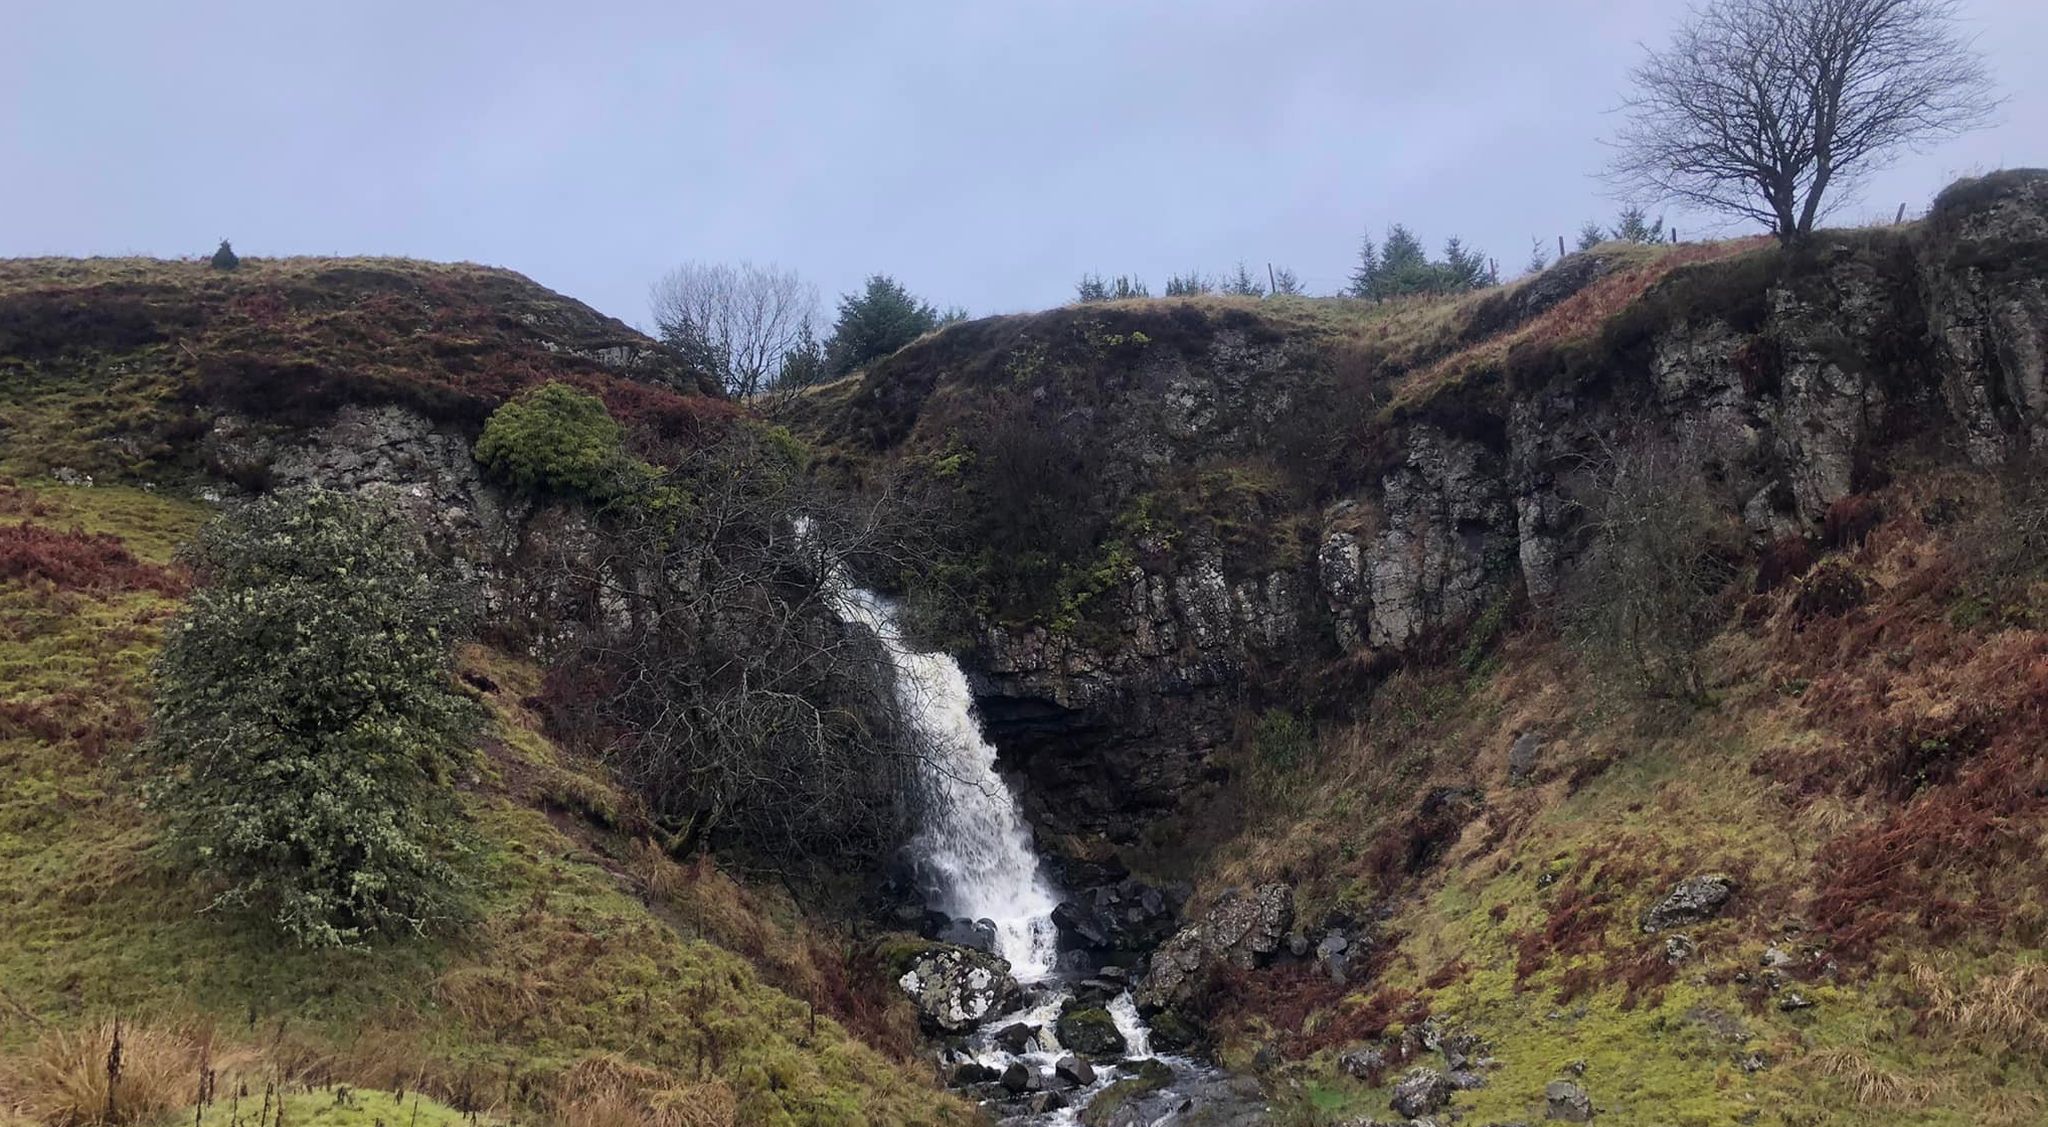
[{"x": 973, "y": 838}]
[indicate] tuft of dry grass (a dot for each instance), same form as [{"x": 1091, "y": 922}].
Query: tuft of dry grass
[
  {"x": 2007, "y": 1011},
  {"x": 608, "y": 1091},
  {"x": 113, "y": 1073},
  {"x": 2005, "y": 1107},
  {"x": 658, "y": 872},
  {"x": 497, "y": 998},
  {"x": 1874, "y": 1085}
]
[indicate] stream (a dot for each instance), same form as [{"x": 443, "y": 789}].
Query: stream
[{"x": 975, "y": 860}]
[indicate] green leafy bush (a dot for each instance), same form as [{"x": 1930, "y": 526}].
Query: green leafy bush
[
  {"x": 555, "y": 439},
  {"x": 307, "y": 723}
]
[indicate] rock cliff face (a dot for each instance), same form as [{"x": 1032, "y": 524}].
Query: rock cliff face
[
  {"x": 1792, "y": 380},
  {"x": 516, "y": 547}
]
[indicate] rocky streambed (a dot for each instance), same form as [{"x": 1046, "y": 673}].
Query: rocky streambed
[
  {"x": 1096, "y": 1040},
  {"x": 1066, "y": 1049}
]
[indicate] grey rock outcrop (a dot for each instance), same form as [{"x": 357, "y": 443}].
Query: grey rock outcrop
[
  {"x": 1987, "y": 301},
  {"x": 1243, "y": 929},
  {"x": 1690, "y": 901},
  {"x": 1523, "y": 755},
  {"x": 1567, "y": 1102},
  {"x": 1446, "y": 544},
  {"x": 1421, "y": 1091},
  {"x": 518, "y": 550}
]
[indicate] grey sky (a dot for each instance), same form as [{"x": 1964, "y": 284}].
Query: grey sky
[{"x": 984, "y": 152}]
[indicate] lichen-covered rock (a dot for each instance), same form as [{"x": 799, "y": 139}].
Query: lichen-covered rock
[
  {"x": 1690, "y": 901},
  {"x": 1567, "y": 1102},
  {"x": 956, "y": 989},
  {"x": 1247, "y": 929},
  {"x": 1420, "y": 1092},
  {"x": 1446, "y": 544},
  {"x": 1243, "y": 929},
  {"x": 1362, "y": 1063}
]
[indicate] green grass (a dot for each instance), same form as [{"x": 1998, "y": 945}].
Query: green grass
[
  {"x": 94, "y": 415},
  {"x": 338, "y": 1107},
  {"x": 1678, "y": 800},
  {"x": 566, "y": 962}
]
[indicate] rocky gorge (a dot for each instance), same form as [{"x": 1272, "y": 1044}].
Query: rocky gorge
[
  {"x": 1455, "y": 483},
  {"x": 1276, "y": 782}
]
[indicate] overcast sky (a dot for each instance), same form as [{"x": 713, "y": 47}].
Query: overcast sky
[{"x": 985, "y": 152}]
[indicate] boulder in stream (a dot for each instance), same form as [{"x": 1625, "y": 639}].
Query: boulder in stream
[
  {"x": 977, "y": 935},
  {"x": 1020, "y": 1078},
  {"x": 1015, "y": 1038},
  {"x": 966, "y": 1074},
  {"x": 1074, "y": 1071},
  {"x": 957, "y": 989},
  {"x": 1090, "y": 1031}
]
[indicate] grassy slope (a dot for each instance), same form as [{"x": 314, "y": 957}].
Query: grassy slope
[
  {"x": 1914, "y": 920},
  {"x": 589, "y": 945},
  {"x": 569, "y": 958}
]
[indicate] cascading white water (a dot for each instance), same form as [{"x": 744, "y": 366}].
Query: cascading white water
[
  {"x": 972, "y": 838},
  {"x": 975, "y": 847}
]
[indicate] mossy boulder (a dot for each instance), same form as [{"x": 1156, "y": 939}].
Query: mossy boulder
[
  {"x": 1151, "y": 1076},
  {"x": 1091, "y": 1032},
  {"x": 1172, "y": 1033}
]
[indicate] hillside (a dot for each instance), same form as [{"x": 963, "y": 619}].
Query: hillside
[
  {"x": 601, "y": 981},
  {"x": 1617, "y": 693},
  {"x": 1318, "y": 597},
  {"x": 117, "y": 366}
]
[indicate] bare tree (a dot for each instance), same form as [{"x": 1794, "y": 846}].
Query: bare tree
[
  {"x": 1766, "y": 109},
  {"x": 738, "y": 321},
  {"x": 1645, "y": 598},
  {"x": 725, "y": 690}
]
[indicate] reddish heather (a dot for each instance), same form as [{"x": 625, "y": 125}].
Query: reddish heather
[{"x": 79, "y": 561}]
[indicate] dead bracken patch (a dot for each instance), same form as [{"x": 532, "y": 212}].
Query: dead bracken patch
[{"x": 79, "y": 561}]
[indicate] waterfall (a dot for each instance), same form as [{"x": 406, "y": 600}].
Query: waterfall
[{"x": 973, "y": 840}]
